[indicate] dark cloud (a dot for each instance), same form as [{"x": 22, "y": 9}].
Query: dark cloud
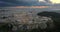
[
  {"x": 47, "y": 0},
  {"x": 22, "y": 3}
]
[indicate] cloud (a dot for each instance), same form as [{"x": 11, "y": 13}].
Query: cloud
[{"x": 22, "y": 3}]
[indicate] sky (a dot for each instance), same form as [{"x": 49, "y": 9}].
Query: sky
[
  {"x": 55, "y": 1},
  {"x": 4, "y": 3}
]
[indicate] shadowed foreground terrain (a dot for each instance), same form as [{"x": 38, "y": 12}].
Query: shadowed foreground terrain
[{"x": 56, "y": 19}]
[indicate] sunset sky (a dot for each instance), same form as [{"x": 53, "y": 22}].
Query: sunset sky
[
  {"x": 52, "y": 1},
  {"x": 4, "y": 3},
  {"x": 55, "y": 1}
]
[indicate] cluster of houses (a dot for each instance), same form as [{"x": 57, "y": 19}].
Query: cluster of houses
[{"x": 26, "y": 20}]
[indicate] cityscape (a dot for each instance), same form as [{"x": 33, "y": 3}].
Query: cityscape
[{"x": 22, "y": 19}]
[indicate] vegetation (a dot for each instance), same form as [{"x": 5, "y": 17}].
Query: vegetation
[{"x": 56, "y": 18}]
